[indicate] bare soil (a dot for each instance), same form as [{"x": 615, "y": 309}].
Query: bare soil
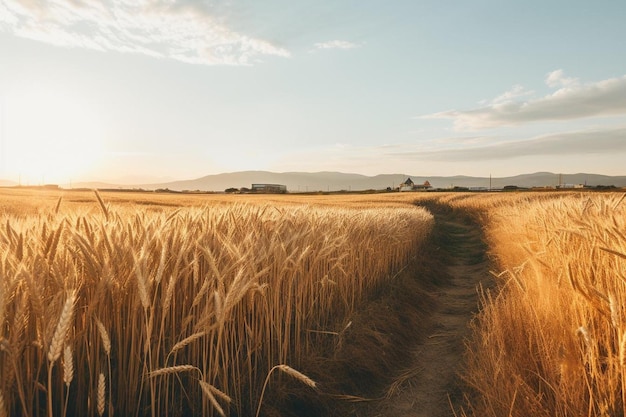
[
  {"x": 403, "y": 353},
  {"x": 429, "y": 385},
  {"x": 435, "y": 388}
]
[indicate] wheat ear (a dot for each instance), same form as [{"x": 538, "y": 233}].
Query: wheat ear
[
  {"x": 68, "y": 366},
  {"x": 103, "y": 206},
  {"x": 101, "y": 394},
  {"x": 289, "y": 371},
  {"x": 174, "y": 370},
  {"x": 209, "y": 390},
  {"x": 585, "y": 334},
  {"x": 221, "y": 395},
  {"x": 298, "y": 375},
  {"x": 186, "y": 341},
  {"x": 62, "y": 327},
  {"x": 57, "y": 341},
  {"x": 104, "y": 335},
  {"x": 142, "y": 283}
]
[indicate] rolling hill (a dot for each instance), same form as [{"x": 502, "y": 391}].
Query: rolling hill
[{"x": 336, "y": 181}]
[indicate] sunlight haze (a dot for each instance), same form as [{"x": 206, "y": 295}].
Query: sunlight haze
[{"x": 164, "y": 90}]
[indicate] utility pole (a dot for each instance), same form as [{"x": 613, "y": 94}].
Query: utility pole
[
  {"x": 489, "y": 182},
  {"x": 3, "y": 132}
]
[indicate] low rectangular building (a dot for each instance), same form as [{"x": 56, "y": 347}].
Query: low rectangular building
[{"x": 269, "y": 188}]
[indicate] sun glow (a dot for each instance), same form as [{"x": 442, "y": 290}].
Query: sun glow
[{"x": 49, "y": 137}]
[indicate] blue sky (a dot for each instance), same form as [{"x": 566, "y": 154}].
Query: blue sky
[{"x": 123, "y": 90}]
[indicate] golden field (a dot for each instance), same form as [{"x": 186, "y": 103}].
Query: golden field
[
  {"x": 143, "y": 304},
  {"x": 551, "y": 340},
  {"x": 160, "y": 304}
]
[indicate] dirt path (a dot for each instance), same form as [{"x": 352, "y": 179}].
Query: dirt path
[
  {"x": 402, "y": 354},
  {"x": 430, "y": 385}
]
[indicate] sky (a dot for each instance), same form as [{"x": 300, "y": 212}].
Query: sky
[{"x": 137, "y": 91}]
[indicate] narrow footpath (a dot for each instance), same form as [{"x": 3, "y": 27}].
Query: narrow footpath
[
  {"x": 429, "y": 385},
  {"x": 402, "y": 354}
]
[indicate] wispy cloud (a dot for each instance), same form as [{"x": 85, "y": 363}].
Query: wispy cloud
[
  {"x": 583, "y": 142},
  {"x": 514, "y": 93},
  {"x": 557, "y": 78},
  {"x": 571, "y": 101},
  {"x": 336, "y": 44},
  {"x": 451, "y": 156},
  {"x": 463, "y": 140},
  {"x": 178, "y": 30}
]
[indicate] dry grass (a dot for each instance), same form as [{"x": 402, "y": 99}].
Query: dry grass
[
  {"x": 550, "y": 340},
  {"x": 139, "y": 297}
]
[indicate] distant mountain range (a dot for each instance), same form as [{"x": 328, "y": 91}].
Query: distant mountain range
[{"x": 336, "y": 181}]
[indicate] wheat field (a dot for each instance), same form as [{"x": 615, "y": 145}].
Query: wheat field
[
  {"x": 119, "y": 305},
  {"x": 146, "y": 304},
  {"x": 551, "y": 337}
]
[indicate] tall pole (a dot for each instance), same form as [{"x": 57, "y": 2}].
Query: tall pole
[
  {"x": 489, "y": 182},
  {"x": 3, "y": 131}
]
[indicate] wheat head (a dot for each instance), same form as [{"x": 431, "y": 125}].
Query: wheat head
[{"x": 62, "y": 327}]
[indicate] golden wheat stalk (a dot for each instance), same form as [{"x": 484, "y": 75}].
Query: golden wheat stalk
[
  {"x": 186, "y": 341},
  {"x": 142, "y": 283},
  {"x": 63, "y": 326},
  {"x": 289, "y": 371},
  {"x": 221, "y": 395},
  {"x": 68, "y": 366},
  {"x": 101, "y": 399},
  {"x": 169, "y": 292},
  {"x": 173, "y": 370},
  {"x": 210, "y": 391},
  {"x": 103, "y": 206},
  {"x": 213, "y": 263},
  {"x": 297, "y": 375},
  {"x": 104, "y": 336}
]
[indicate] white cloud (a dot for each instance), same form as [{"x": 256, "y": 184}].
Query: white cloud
[
  {"x": 558, "y": 79},
  {"x": 515, "y": 92},
  {"x": 336, "y": 44},
  {"x": 583, "y": 142},
  {"x": 572, "y": 101},
  {"x": 163, "y": 28}
]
